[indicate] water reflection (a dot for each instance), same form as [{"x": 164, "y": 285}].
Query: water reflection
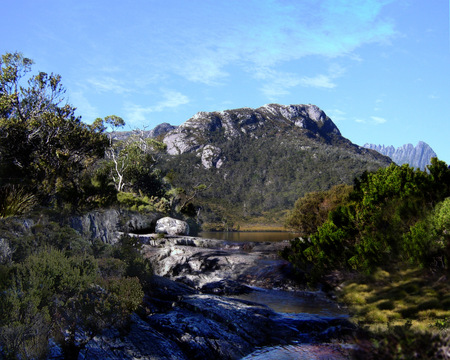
[
  {"x": 301, "y": 352},
  {"x": 294, "y": 302},
  {"x": 244, "y": 236}
]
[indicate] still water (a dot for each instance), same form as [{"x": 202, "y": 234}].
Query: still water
[
  {"x": 245, "y": 236},
  {"x": 295, "y": 302}
]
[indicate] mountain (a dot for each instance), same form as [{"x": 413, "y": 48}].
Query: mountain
[
  {"x": 417, "y": 157},
  {"x": 258, "y": 162}
]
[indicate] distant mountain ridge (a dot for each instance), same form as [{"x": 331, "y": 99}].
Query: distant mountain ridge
[
  {"x": 262, "y": 160},
  {"x": 418, "y": 156}
]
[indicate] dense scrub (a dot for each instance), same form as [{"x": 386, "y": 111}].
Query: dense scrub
[
  {"x": 56, "y": 284},
  {"x": 390, "y": 236},
  {"x": 395, "y": 214}
]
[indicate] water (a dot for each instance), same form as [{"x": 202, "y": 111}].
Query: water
[
  {"x": 302, "y": 352},
  {"x": 294, "y": 302},
  {"x": 288, "y": 303},
  {"x": 246, "y": 236}
]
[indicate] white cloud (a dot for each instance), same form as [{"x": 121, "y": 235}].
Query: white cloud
[
  {"x": 336, "y": 115},
  {"x": 172, "y": 99},
  {"x": 138, "y": 114},
  {"x": 319, "y": 81},
  {"x": 202, "y": 43},
  {"x": 108, "y": 84},
  {"x": 279, "y": 83},
  {"x": 378, "y": 120},
  {"x": 84, "y": 108}
]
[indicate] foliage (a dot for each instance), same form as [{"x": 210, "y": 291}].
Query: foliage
[
  {"x": 15, "y": 200},
  {"x": 52, "y": 287},
  {"x": 311, "y": 210},
  {"x": 143, "y": 203},
  {"x": 43, "y": 146},
  {"x": 428, "y": 241},
  {"x": 400, "y": 342},
  {"x": 132, "y": 160},
  {"x": 367, "y": 231},
  {"x": 128, "y": 249},
  {"x": 401, "y": 314}
]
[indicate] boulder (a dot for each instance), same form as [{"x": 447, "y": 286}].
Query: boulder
[{"x": 171, "y": 226}]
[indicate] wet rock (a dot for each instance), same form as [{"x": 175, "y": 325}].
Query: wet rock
[
  {"x": 197, "y": 262},
  {"x": 141, "y": 342},
  {"x": 225, "y": 287}
]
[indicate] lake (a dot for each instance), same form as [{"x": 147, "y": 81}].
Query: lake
[{"x": 246, "y": 236}]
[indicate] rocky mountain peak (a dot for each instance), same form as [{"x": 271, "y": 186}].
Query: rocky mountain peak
[
  {"x": 209, "y": 128},
  {"x": 418, "y": 156}
]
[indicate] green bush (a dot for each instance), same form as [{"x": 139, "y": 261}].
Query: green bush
[
  {"x": 15, "y": 200},
  {"x": 384, "y": 221}
]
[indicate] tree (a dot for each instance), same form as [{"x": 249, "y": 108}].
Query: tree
[
  {"x": 43, "y": 145},
  {"x": 132, "y": 159}
]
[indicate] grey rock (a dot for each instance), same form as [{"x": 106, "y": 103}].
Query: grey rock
[
  {"x": 198, "y": 262},
  {"x": 171, "y": 226},
  {"x": 107, "y": 225},
  {"x": 211, "y": 157},
  {"x": 190, "y": 136},
  {"x": 141, "y": 342},
  {"x": 418, "y": 156},
  {"x": 159, "y": 130}
]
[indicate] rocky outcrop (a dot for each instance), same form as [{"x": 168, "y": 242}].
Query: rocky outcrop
[
  {"x": 217, "y": 266},
  {"x": 230, "y": 124},
  {"x": 171, "y": 226},
  {"x": 178, "y": 321},
  {"x": 107, "y": 225},
  {"x": 418, "y": 156},
  {"x": 159, "y": 130},
  {"x": 185, "y": 324}
]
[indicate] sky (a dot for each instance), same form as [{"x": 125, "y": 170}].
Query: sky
[{"x": 380, "y": 69}]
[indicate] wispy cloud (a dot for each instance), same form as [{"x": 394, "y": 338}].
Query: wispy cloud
[
  {"x": 279, "y": 83},
  {"x": 84, "y": 107},
  {"x": 337, "y": 115},
  {"x": 319, "y": 81},
  {"x": 108, "y": 84},
  {"x": 203, "y": 42},
  {"x": 378, "y": 120},
  {"x": 137, "y": 114}
]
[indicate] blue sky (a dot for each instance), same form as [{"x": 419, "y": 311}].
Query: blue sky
[{"x": 379, "y": 68}]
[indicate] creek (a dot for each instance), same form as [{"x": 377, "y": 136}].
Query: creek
[
  {"x": 249, "y": 236},
  {"x": 290, "y": 304}
]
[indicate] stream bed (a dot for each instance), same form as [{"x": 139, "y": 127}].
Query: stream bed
[{"x": 290, "y": 304}]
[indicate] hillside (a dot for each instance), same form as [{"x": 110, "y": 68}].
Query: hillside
[
  {"x": 257, "y": 162},
  {"x": 418, "y": 156}
]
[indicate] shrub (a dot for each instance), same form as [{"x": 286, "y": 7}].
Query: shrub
[{"x": 15, "y": 200}]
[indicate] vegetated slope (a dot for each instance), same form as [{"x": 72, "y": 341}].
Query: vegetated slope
[
  {"x": 418, "y": 156},
  {"x": 260, "y": 160}
]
